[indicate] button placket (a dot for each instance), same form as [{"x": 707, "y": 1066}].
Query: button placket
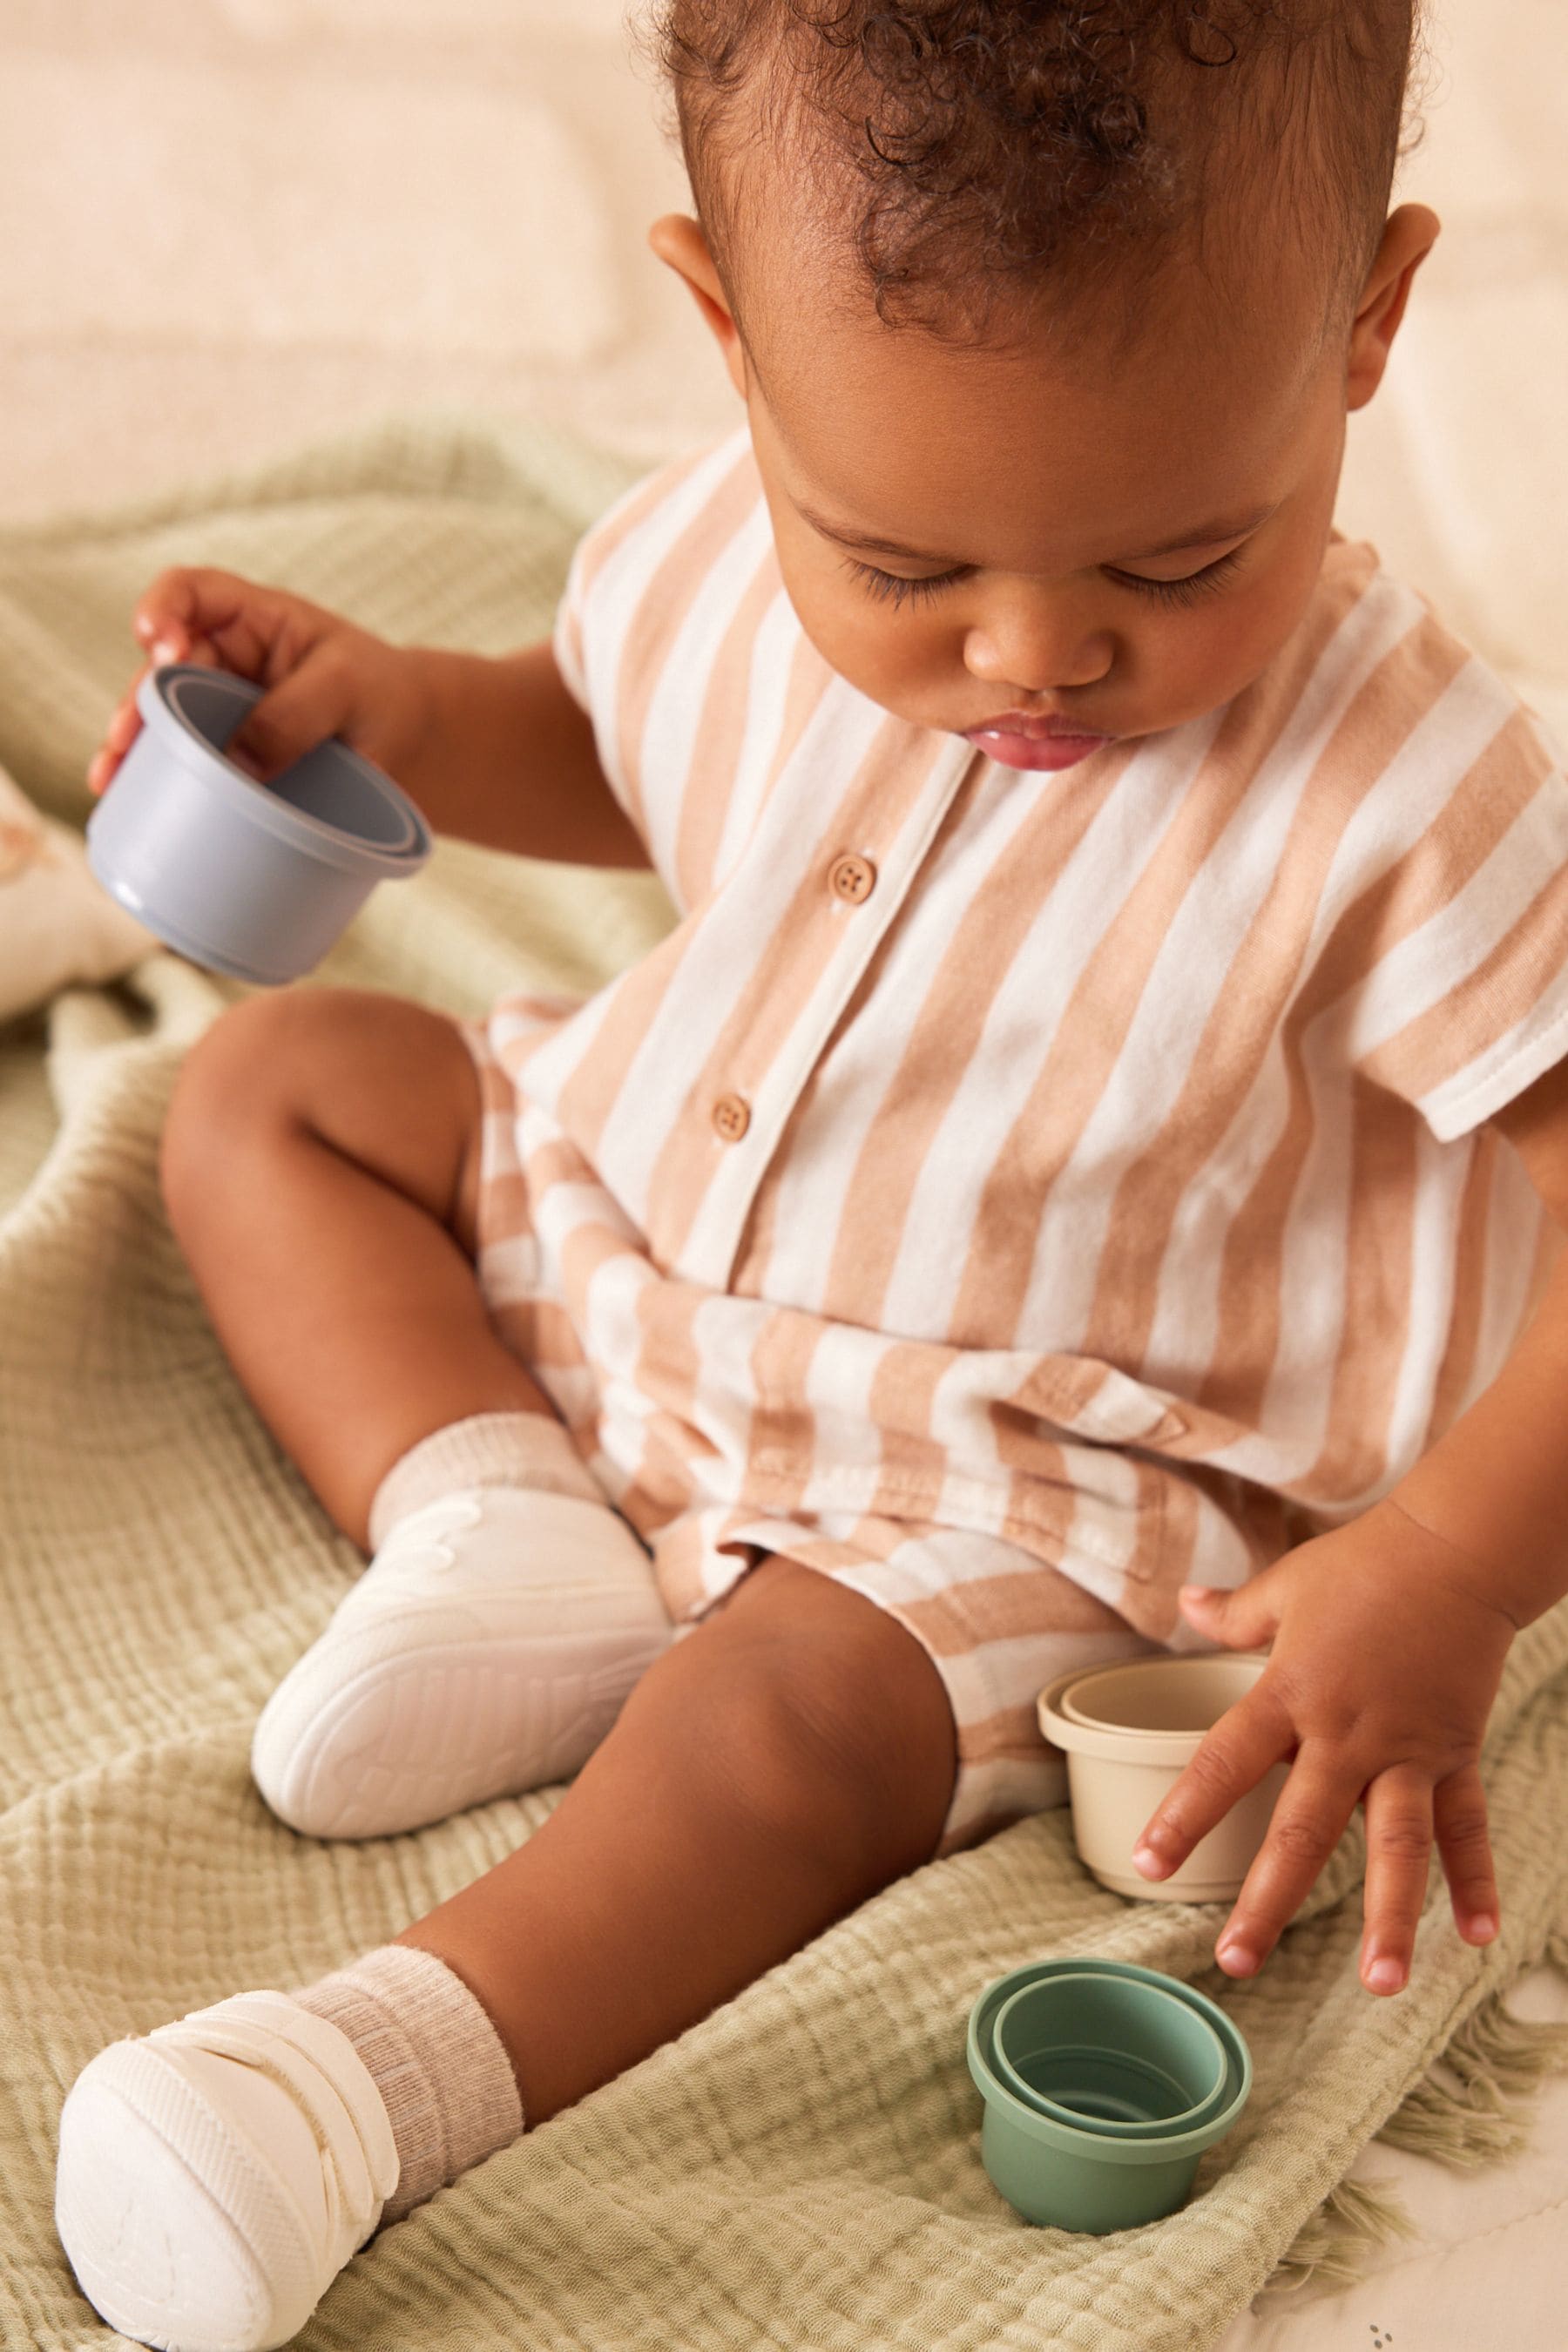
[{"x": 709, "y": 1251}]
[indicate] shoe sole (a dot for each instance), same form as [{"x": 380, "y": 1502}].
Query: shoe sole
[{"x": 407, "y": 1739}]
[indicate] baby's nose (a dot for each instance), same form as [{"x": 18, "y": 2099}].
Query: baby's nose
[{"x": 1038, "y": 653}]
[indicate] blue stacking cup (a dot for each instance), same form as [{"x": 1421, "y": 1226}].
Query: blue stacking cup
[{"x": 255, "y": 880}]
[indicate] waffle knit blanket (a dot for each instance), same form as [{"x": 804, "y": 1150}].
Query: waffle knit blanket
[{"x": 803, "y": 2167}]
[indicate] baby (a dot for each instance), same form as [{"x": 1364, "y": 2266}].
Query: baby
[{"x": 1082, "y": 1176}]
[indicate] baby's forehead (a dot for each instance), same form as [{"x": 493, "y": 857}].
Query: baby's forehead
[{"x": 1020, "y": 458}]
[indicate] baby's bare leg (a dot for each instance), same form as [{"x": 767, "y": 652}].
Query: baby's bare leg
[
  {"x": 320, "y": 1164},
  {"x": 790, "y": 1757}
]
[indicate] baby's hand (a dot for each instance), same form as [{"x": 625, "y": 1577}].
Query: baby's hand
[
  {"x": 1387, "y": 1658},
  {"x": 322, "y": 675}
]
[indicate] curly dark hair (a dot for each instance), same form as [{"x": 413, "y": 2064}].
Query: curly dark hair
[{"x": 993, "y": 141}]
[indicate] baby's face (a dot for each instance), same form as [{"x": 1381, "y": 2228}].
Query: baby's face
[
  {"x": 1042, "y": 557},
  {"x": 1044, "y": 552}
]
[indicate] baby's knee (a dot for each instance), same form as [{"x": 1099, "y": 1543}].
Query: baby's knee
[
  {"x": 236, "y": 1079},
  {"x": 828, "y": 1721},
  {"x": 380, "y": 1083}
]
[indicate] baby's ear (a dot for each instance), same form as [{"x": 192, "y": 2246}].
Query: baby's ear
[
  {"x": 680, "y": 244},
  {"x": 1408, "y": 238}
]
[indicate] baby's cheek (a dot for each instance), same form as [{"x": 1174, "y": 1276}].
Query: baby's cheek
[
  {"x": 1229, "y": 654},
  {"x": 1230, "y": 647},
  {"x": 912, "y": 669},
  {"x": 1247, "y": 630},
  {"x": 894, "y": 657}
]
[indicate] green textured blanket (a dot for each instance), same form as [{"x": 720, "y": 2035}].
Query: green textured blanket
[{"x": 802, "y": 2169}]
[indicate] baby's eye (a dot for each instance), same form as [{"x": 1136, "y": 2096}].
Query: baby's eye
[
  {"x": 893, "y": 588},
  {"x": 1186, "y": 591}
]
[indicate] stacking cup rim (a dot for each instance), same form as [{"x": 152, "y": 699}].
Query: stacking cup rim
[
  {"x": 158, "y": 700},
  {"x": 1077, "y": 2138},
  {"x": 1188, "y": 2118}
]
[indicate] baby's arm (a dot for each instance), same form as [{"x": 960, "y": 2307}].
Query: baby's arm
[
  {"x": 1388, "y": 1638},
  {"x": 494, "y": 751},
  {"x": 508, "y": 759}
]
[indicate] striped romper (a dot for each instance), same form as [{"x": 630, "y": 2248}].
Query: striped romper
[{"x": 1017, "y": 1195}]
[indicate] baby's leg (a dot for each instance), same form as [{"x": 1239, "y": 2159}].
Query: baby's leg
[
  {"x": 792, "y": 1756},
  {"x": 321, "y": 1166}
]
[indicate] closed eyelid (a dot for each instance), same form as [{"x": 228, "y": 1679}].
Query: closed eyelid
[
  {"x": 897, "y": 587},
  {"x": 1174, "y": 578},
  {"x": 1226, "y": 538},
  {"x": 1192, "y": 587}
]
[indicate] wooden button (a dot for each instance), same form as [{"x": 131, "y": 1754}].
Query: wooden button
[
  {"x": 853, "y": 878},
  {"x": 732, "y": 1116}
]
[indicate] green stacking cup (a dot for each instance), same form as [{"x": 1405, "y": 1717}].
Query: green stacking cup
[
  {"x": 1110, "y": 2054},
  {"x": 1084, "y": 2170}
]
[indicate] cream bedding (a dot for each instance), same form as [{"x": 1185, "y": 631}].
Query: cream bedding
[{"x": 802, "y": 2169}]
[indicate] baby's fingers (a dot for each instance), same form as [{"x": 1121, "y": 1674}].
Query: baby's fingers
[
  {"x": 125, "y": 724},
  {"x": 1398, "y": 1806},
  {"x": 1246, "y": 1740},
  {"x": 118, "y": 736},
  {"x": 1464, "y": 1844},
  {"x": 1308, "y": 1821},
  {"x": 197, "y": 612}
]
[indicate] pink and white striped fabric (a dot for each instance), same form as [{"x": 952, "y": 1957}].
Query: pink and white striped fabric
[{"x": 1018, "y": 1195}]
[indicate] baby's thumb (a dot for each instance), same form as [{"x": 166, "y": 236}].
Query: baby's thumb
[
  {"x": 290, "y": 719},
  {"x": 1246, "y": 1619}
]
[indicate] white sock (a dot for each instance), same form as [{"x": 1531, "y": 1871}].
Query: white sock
[
  {"x": 488, "y": 1449},
  {"x": 438, "y": 2063}
]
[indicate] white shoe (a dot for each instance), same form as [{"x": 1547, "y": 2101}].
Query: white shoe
[
  {"x": 487, "y": 1649},
  {"x": 215, "y": 2175}
]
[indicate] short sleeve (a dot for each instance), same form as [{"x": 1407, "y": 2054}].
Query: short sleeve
[
  {"x": 1463, "y": 941},
  {"x": 598, "y": 610},
  {"x": 646, "y": 614},
  {"x": 566, "y": 639},
  {"x": 631, "y": 629}
]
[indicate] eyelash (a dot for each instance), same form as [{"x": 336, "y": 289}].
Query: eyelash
[
  {"x": 1190, "y": 591},
  {"x": 892, "y": 588}
]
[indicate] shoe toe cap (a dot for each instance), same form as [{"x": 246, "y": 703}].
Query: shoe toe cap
[{"x": 147, "y": 2226}]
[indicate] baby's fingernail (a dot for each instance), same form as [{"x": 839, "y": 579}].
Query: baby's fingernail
[
  {"x": 1237, "y": 1959},
  {"x": 164, "y": 651},
  {"x": 1482, "y": 1927},
  {"x": 1386, "y": 1974},
  {"x": 1152, "y": 1864}
]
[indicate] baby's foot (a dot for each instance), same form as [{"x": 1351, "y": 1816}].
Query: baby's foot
[
  {"x": 487, "y": 1649},
  {"x": 215, "y": 2175}
]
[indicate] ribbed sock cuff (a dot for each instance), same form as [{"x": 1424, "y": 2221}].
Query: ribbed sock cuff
[
  {"x": 438, "y": 2063},
  {"x": 488, "y": 1449}
]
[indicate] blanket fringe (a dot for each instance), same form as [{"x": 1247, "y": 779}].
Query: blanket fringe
[
  {"x": 1458, "y": 2114},
  {"x": 1332, "y": 2249}
]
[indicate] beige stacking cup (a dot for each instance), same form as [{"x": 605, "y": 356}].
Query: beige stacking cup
[{"x": 1129, "y": 1732}]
